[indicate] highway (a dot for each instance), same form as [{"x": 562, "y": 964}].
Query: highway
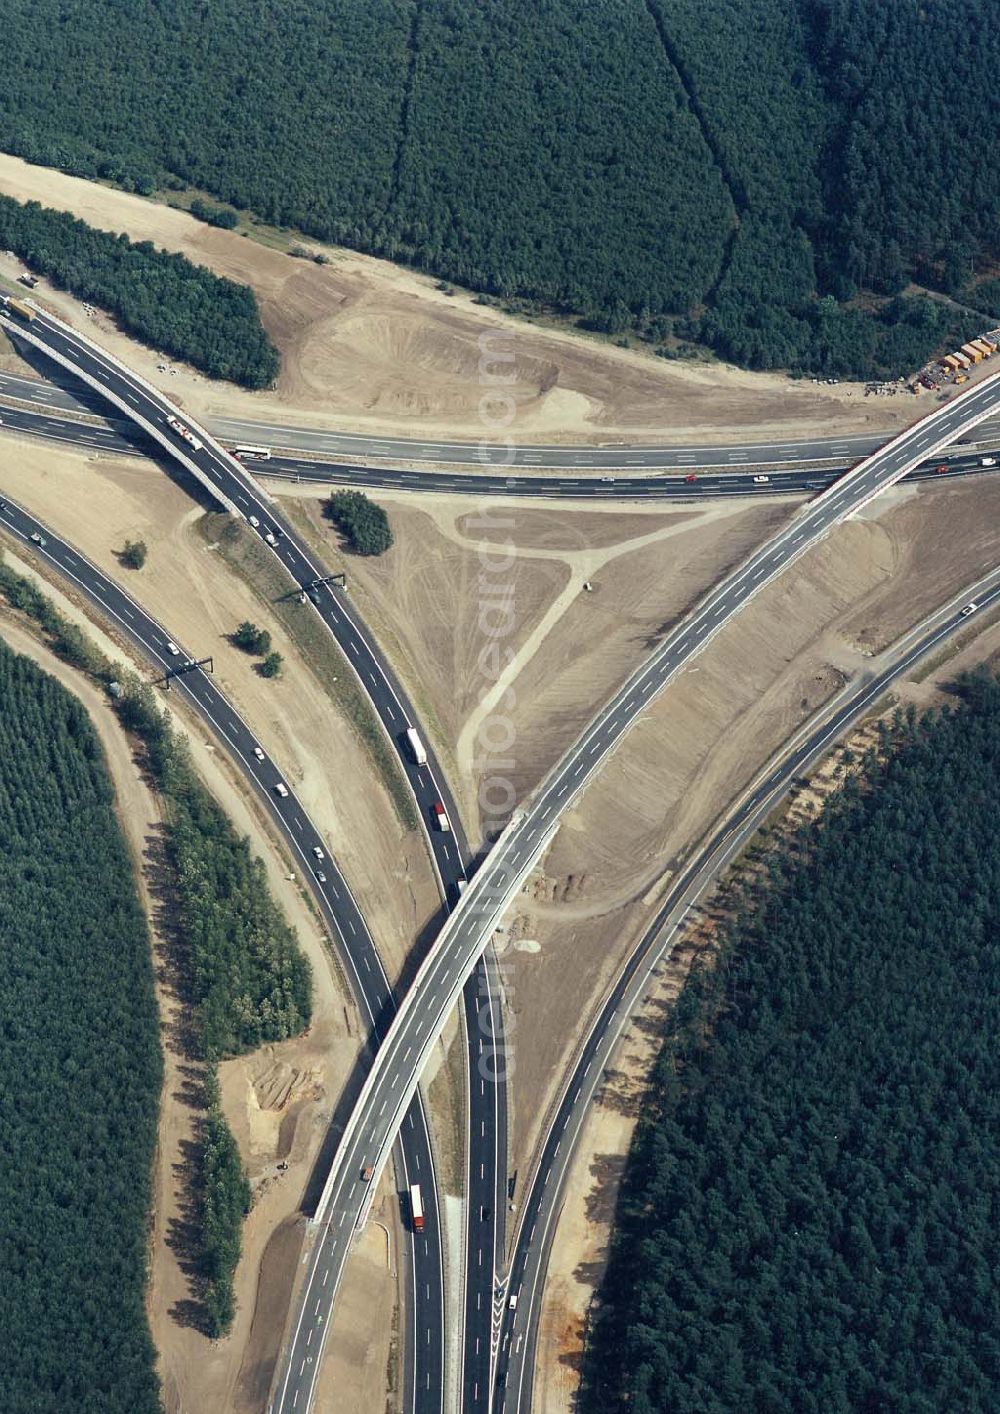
[
  {"x": 356, "y": 950},
  {"x": 119, "y": 435},
  {"x": 611, "y": 457},
  {"x": 487, "y": 1123},
  {"x": 543, "y": 1204},
  {"x": 421, "y": 1016},
  {"x": 232, "y": 485},
  {"x": 230, "y": 482}
]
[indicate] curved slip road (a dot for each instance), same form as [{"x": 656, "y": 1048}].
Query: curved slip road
[
  {"x": 513, "y": 1386},
  {"x": 393, "y": 1077}
]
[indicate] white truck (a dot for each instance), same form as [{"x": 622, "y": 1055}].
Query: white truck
[
  {"x": 416, "y": 747},
  {"x": 185, "y": 432}
]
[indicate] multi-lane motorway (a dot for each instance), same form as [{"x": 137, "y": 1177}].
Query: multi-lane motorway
[
  {"x": 226, "y": 478},
  {"x": 393, "y": 1077},
  {"x": 120, "y": 436},
  {"x": 51, "y": 411},
  {"x": 610, "y": 456},
  {"x": 340, "y": 911},
  {"x": 540, "y": 1211}
]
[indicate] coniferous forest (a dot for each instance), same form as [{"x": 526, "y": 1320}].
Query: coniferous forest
[
  {"x": 809, "y": 1216},
  {"x": 179, "y": 308},
  {"x": 765, "y": 177},
  {"x": 80, "y": 1069},
  {"x": 245, "y": 978}
]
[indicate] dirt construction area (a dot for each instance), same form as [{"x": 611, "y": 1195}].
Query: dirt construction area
[{"x": 372, "y": 348}]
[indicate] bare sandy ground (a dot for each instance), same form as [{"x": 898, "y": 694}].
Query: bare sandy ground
[
  {"x": 701, "y": 742},
  {"x": 369, "y": 347},
  {"x": 486, "y": 616}
]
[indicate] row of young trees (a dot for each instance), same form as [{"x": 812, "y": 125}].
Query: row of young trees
[
  {"x": 726, "y": 165},
  {"x": 80, "y": 1069},
  {"x": 160, "y": 297},
  {"x": 807, "y": 1220},
  {"x": 245, "y": 979}
]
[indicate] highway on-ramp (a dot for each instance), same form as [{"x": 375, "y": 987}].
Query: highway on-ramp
[
  {"x": 421, "y": 1016},
  {"x": 515, "y": 1369}
]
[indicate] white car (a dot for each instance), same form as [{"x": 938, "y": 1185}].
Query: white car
[
  {"x": 172, "y": 649},
  {"x": 254, "y": 522},
  {"x": 282, "y": 790},
  {"x": 318, "y": 852},
  {"x": 969, "y": 609},
  {"x": 38, "y": 539},
  {"x": 759, "y": 480},
  {"x": 321, "y": 876},
  {"x": 270, "y": 537},
  {"x": 987, "y": 461},
  {"x": 259, "y": 754}
]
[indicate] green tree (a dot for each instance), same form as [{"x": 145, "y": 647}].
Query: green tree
[
  {"x": 134, "y": 554},
  {"x": 271, "y": 666},
  {"x": 252, "y": 639},
  {"x": 214, "y": 215},
  {"x": 157, "y": 295},
  {"x": 80, "y": 1019},
  {"x": 364, "y": 524}
]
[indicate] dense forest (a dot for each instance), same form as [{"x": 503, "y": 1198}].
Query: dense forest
[
  {"x": 179, "y": 308},
  {"x": 244, "y": 977},
  {"x": 80, "y": 1069},
  {"x": 809, "y": 1216},
  {"x": 767, "y": 178}
]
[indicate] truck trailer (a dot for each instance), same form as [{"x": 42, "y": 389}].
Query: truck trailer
[
  {"x": 416, "y": 747},
  {"x": 416, "y": 1208},
  {"x": 22, "y": 310}
]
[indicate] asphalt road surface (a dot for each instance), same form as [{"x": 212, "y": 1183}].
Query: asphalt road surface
[
  {"x": 487, "y": 1121},
  {"x": 116, "y": 434},
  {"x": 393, "y": 1077},
  {"x": 529, "y": 1264},
  {"x": 617, "y": 456},
  {"x": 347, "y": 926},
  {"x": 225, "y": 475},
  {"x": 487, "y": 1179}
]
